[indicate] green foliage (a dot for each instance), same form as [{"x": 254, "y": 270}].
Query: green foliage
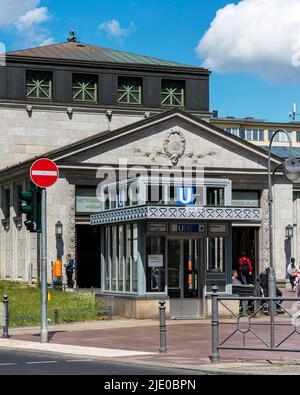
[{"x": 24, "y": 305}]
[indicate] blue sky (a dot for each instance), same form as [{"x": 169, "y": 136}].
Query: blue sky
[{"x": 169, "y": 29}]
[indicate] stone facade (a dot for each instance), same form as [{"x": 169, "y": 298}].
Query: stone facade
[
  {"x": 18, "y": 248},
  {"x": 282, "y": 217},
  {"x": 23, "y": 135}
]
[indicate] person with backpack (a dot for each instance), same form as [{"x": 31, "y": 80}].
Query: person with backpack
[{"x": 245, "y": 269}]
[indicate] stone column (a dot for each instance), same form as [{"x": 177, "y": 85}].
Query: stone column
[
  {"x": 264, "y": 233},
  {"x": 283, "y": 216},
  {"x": 296, "y": 240},
  {"x": 71, "y": 227}
]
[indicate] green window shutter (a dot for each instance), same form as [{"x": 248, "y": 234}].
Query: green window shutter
[
  {"x": 39, "y": 85},
  {"x": 85, "y": 88},
  {"x": 173, "y": 93},
  {"x": 130, "y": 90}
]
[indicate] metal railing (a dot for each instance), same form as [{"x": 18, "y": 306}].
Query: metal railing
[
  {"x": 57, "y": 316},
  {"x": 253, "y": 334}
]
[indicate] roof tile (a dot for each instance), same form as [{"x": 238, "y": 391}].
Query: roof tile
[{"x": 77, "y": 51}]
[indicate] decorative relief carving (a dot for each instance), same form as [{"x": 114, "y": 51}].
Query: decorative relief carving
[{"x": 174, "y": 148}]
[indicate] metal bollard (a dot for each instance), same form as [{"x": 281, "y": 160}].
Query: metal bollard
[
  {"x": 110, "y": 312},
  {"x": 5, "y": 317},
  {"x": 163, "y": 327},
  {"x": 56, "y": 317},
  {"x": 215, "y": 357}
]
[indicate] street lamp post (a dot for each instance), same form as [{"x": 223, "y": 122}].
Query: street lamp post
[
  {"x": 58, "y": 234},
  {"x": 291, "y": 170},
  {"x": 289, "y": 232}
]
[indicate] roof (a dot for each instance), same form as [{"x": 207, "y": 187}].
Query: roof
[
  {"x": 77, "y": 51},
  {"x": 60, "y": 154},
  {"x": 253, "y": 121},
  {"x": 284, "y": 152}
]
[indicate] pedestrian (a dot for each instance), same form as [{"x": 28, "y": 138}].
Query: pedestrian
[
  {"x": 264, "y": 285},
  {"x": 297, "y": 284},
  {"x": 245, "y": 269},
  {"x": 70, "y": 267},
  {"x": 292, "y": 271},
  {"x": 235, "y": 278}
]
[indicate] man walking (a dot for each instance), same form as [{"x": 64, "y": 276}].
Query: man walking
[{"x": 70, "y": 267}]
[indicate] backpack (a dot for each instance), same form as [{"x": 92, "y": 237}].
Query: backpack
[{"x": 245, "y": 267}]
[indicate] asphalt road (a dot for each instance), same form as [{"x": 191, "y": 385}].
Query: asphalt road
[{"x": 20, "y": 363}]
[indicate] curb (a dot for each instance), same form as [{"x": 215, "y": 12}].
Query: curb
[
  {"x": 125, "y": 357},
  {"x": 95, "y": 352}
]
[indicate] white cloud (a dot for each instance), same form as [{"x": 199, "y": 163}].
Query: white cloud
[
  {"x": 113, "y": 29},
  {"x": 11, "y": 10},
  {"x": 256, "y": 36},
  {"x": 47, "y": 41},
  {"x": 32, "y": 17},
  {"x": 24, "y": 19}
]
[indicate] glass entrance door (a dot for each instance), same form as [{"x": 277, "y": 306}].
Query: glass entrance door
[
  {"x": 174, "y": 269},
  {"x": 190, "y": 268},
  {"x": 184, "y": 277},
  {"x": 183, "y": 268}
]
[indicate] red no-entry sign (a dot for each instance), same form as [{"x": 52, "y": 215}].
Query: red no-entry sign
[{"x": 44, "y": 173}]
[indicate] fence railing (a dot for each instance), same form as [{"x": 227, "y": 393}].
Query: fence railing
[
  {"x": 244, "y": 331},
  {"x": 9, "y": 318},
  {"x": 57, "y": 315}
]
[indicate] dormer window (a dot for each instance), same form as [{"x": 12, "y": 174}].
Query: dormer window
[
  {"x": 39, "y": 85},
  {"x": 172, "y": 93},
  {"x": 85, "y": 88},
  {"x": 130, "y": 90}
]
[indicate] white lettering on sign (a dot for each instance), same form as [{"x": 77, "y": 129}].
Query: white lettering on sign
[
  {"x": 160, "y": 228},
  {"x": 187, "y": 228}
]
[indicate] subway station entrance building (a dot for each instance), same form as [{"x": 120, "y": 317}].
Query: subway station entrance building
[{"x": 177, "y": 245}]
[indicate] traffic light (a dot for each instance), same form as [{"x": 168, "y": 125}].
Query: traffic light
[{"x": 32, "y": 209}]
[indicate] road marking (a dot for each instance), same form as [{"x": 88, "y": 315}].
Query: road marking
[
  {"x": 40, "y": 362},
  {"x": 8, "y": 364},
  {"x": 79, "y": 360}
]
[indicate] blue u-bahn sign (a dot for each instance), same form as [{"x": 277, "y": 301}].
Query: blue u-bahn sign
[{"x": 185, "y": 196}]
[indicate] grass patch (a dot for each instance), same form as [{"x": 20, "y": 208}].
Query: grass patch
[{"x": 25, "y": 301}]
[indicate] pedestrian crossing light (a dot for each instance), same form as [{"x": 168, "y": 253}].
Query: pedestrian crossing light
[{"x": 32, "y": 209}]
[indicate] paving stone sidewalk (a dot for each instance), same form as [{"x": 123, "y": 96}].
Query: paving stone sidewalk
[{"x": 189, "y": 344}]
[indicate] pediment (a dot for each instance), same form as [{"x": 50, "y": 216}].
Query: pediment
[{"x": 172, "y": 141}]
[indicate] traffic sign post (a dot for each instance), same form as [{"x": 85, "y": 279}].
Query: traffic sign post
[
  {"x": 44, "y": 173},
  {"x": 44, "y": 300}
]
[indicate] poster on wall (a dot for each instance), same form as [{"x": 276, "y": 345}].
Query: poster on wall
[{"x": 156, "y": 260}]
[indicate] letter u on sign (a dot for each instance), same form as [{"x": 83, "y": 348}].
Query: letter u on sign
[{"x": 185, "y": 196}]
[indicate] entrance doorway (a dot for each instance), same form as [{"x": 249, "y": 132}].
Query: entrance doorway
[
  {"x": 88, "y": 257},
  {"x": 245, "y": 239},
  {"x": 185, "y": 279}
]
